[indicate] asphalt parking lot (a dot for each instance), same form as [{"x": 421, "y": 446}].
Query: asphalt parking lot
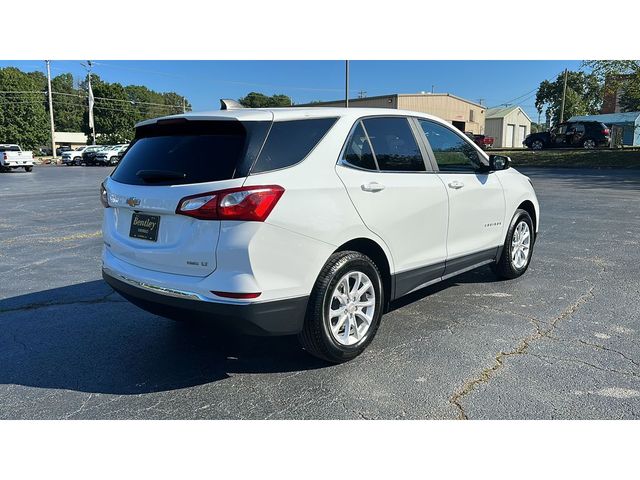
[{"x": 560, "y": 342}]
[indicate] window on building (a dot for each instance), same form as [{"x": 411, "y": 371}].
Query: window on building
[{"x": 471, "y": 115}]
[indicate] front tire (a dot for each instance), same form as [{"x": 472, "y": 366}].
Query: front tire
[
  {"x": 28, "y": 169},
  {"x": 537, "y": 145},
  {"x": 518, "y": 247},
  {"x": 345, "y": 308},
  {"x": 589, "y": 144}
]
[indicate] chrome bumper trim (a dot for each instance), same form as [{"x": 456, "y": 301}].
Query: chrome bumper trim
[{"x": 170, "y": 292}]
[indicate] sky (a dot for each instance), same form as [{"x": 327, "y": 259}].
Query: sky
[{"x": 204, "y": 82}]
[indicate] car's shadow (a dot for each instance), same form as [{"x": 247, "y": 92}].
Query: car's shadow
[{"x": 86, "y": 338}]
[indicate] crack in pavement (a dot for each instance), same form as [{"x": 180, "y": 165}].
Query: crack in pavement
[
  {"x": 602, "y": 347},
  {"x": 35, "y": 306},
  {"x": 521, "y": 347},
  {"x": 546, "y": 358}
]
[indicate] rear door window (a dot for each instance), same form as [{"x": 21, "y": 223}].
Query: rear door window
[
  {"x": 289, "y": 142},
  {"x": 394, "y": 146}
]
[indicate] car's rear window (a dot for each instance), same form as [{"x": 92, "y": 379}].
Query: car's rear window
[{"x": 190, "y": 152}]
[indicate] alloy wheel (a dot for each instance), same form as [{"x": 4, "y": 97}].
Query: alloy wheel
[
  {"x": 520, "y": 245},
  {"x": 352, "y": 307}
]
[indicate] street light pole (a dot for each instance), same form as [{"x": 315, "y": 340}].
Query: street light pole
[
  {"x": 346, "y": 84},
  {"x": 53, "y": 140}
]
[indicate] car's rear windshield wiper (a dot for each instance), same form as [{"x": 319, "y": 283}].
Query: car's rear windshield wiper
[{"x": 160, "y": 175}]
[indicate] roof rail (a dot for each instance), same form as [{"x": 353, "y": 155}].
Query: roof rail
[{"x": 228, "y": 104}]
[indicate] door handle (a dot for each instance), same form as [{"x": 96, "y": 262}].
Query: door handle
[
  {"x": 456, "y": 184},
  {"x": 372, "y": 187}
]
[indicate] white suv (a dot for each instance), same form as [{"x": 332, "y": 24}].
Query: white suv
[{"x": 306, "y": 221}]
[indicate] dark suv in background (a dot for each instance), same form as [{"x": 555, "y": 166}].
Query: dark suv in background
[{"x": 570, "y": 135}]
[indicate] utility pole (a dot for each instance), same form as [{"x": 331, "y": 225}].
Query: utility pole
[
  {"x": 433, "y": 87},
  {"x": 362, "y": 94},
  {"x": 184, "y": 105},
  {"x": 564, "y": 95},
  {"x": 346, "y": 83},
  {"x": 480, "y": 100},
  {"x": 53, "y": 128}
]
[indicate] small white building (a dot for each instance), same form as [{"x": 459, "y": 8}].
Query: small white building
[
  {"x": 70, "y": 139},
  {"x": 508, "y": 126}
]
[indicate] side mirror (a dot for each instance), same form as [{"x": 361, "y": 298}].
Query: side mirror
[{"x": 499, "y": 162}]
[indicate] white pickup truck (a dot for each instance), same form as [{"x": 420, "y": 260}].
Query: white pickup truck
[{"x": 12, "y": 156}]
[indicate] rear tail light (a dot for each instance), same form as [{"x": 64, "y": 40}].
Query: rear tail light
[
  {"x": 605, "y": 131},
  {"x": 245, "y": 203},
  {"x": 4, "y": 155},
  {"x": 103, "y": 196}
]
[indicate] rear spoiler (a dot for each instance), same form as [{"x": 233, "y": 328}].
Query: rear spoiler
[{"x": 228, "y": 104}]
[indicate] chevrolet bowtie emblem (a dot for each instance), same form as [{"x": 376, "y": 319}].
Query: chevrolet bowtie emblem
[{"x": 133, "y": 201}]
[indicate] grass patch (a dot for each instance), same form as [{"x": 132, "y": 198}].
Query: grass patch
[{"x": 615, "y": 158}]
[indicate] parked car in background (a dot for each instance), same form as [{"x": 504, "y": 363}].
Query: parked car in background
[
  {"x": 89, "y": 154},
  {"x": 110, "y": 155},
  {"x": 207, "y": 216},
  {"x": 571, "y": 135},
  {"x": 483, "y": 141},
  {"x": 12, "y": 157},
  {"x": 64, "y": 148},
  {"x": 73, "y": 157}
]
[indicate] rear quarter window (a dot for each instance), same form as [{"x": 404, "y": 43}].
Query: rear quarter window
[{"x": 289, "y": 142}]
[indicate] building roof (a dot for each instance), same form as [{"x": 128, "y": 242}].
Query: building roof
[
  {"x": 501, "y": 112},
  {"x": 288, "y": 113},
  {"x": 608, "y": 118},
  {"x": 429, "y": 94},
  {"x": 391, "y": 95}
]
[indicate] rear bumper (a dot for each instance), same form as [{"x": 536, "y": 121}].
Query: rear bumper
[
  {"x": 16, "y": 163},
  {"x": 278, "y": 317}
]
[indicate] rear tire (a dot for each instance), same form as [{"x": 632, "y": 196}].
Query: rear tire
[
  {"x": 340, "y": 337},
  {"x": 28, "y": 169},
  {"x": 589, "y": 144},
  {"x": 518, "y": 247}
]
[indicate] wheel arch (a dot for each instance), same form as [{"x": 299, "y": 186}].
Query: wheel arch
[
  {"x": 528, "y": 206},
  {"x": 375, "y": 252}
]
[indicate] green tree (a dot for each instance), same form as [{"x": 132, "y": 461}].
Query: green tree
[
  {"x": 23, "y": 117},
  {"x": 260, "y": 100},
  {"x": 113, "y": 112},
  {"x": 538, "y": 127},
  {"x": 619, "y": 74},
  {"x": 584, "y": 96},
  {"x": 68, "y": 106}
]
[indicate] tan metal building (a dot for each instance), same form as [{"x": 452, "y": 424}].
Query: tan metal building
[{"x": 465, "y": 115}]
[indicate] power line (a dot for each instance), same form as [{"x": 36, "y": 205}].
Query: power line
[
  {"x": 525, "y": 94},
  {"x": 118, "y": 100},
  {"x": 33, "y": 92}
]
